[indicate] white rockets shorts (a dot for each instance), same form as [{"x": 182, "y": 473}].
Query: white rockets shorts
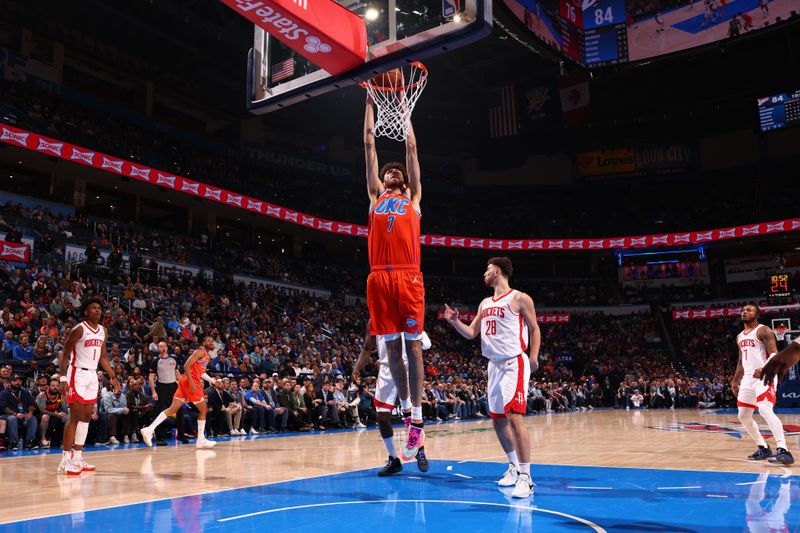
[
  {"x": 753, "y": 390},
  {"x": 82, "y": 386},
  {"x": 508, "y": 386},
  {"x": 385, "y": 388}
]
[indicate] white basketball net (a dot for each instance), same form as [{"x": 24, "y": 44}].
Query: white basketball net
[{"x": 395, "y": 103}]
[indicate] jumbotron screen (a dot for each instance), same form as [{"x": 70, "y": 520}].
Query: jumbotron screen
[
  {"x": 779, "y": 111},
  {"x": 595, "y": 33}
]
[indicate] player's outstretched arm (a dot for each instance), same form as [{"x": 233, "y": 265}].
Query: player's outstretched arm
[
  {"x": 779, "y": 364},
  {"x": 468, "y": 332},
  {"x": 366, "y": 352},
  {"x": 374, "y": 184},
  {"x": 528, "y": 311},
  {"x": 412, "y": 166}
]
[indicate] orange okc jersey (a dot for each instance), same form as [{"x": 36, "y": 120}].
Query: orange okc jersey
[
  {"x": 394, "y": 232},
  {"x": 199, "y": 367}
]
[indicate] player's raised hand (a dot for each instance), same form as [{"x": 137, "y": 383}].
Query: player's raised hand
[
  {"x": 450, "y": 314},
  {"x": 780, "y": 363}
]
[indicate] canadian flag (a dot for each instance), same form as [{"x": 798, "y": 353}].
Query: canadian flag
[{"x": 574, "y": 92}]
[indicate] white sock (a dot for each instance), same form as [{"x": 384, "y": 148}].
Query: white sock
[
  {"x": 405, "y": 405},
  {"x": 775, "y": 425},
  {"x": 512, "y": 458},
  {"x": 525, "y": 468},
  {"x": 201, "y": 430},
  {"x": 77, "y": 455},
  {"x": 746, "y": 418},
  {"x": 389, "y": 443},
  {"x": 160, "y": 418},
  {"x": 416, "y": 414}
]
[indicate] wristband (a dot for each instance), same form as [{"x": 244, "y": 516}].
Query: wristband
[{"x": 63, "y": 379}]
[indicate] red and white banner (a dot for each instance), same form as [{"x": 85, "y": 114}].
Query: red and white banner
[
  {"x": 16, "y": 252},
  {"x": 574, "y": 92},
  {"x": 727, "y": 312},
  {"x": 324, "y": 32},
  {"x": 542, "y": 318},
  {"x": 84, "y": 156}
]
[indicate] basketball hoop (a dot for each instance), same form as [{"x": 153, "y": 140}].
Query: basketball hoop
[{"x": 395, "y": 94}]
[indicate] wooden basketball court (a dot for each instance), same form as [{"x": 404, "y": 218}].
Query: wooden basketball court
[{"x": 681, "y": 440}]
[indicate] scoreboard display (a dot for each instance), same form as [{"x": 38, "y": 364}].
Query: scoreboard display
[
  {"x": 779, "y": 111},
  {"x": 594, "y": 32},
  {"x": 779, "y": 289},
  {"x": 605, "y": 46},
  {"x": 601, "y": 13}
]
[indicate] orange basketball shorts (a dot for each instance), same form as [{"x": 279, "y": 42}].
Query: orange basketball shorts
[
  {"x": 396, "y": 301},
  {"x": 185, "y": 394}
]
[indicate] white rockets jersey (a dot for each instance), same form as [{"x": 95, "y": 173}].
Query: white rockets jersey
[
  {"x": 504, "y": 333},
  {"x": 754, "y": 353},
  {"x": 383, "y": 353},
  {"x": 88, "y": 348}
]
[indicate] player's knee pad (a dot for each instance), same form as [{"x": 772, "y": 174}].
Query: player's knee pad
[
  {"x": 80, "y": 433},
  {"x": 389, "y": 337},
  {"x": 765, "y": 407}
]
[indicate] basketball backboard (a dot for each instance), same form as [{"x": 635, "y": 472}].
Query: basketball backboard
[{"x": 398, "y": 31}]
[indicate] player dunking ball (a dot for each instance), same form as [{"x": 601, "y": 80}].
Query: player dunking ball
[
  {"x": 190, "y": 389},
  {"x": 385, "y": 396},
  {"x": 84, "y": 350},
  {"x": 505, "y": 322},
  {"x": 395, "y": 290},
  {"x": 756, "y": 344}
]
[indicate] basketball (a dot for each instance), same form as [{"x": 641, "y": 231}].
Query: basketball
[{"x": 392, "y": 79}]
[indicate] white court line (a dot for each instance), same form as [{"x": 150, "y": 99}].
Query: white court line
[
  {"x": 679, "y": 488},
  {"x": 176, "y": 497},
  {"x": 589, "y": 488},
  {"x": 583, "y": 521},
  {"x": 752, "y": 483},
  {"x": 715, "y": 496},
  {"x": 462, "y": 475}
]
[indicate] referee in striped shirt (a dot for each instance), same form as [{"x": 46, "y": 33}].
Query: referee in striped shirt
[{"x": 165, "y": 369}]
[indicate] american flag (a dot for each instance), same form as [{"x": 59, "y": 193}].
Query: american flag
[
  {"x": 282, "y": 70},
  {"x": 503, "y": 113}
]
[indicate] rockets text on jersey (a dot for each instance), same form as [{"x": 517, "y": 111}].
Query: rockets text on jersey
[
  {"x": 504, "y": 333},
  {"x": 89, "y": 346},
  {"x": 754, "y": 353}
]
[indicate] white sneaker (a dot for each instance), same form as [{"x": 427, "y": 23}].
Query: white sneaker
[
  {"x": 147, "y": 436},
  {"x": 524, "y": 487},
  {"x": 126, "y": 440},
  {"x": 242, "y": 432},
  {"x": 510, "y": 477},
  {"x": 205, "y": 443},
  {"x": 134, "y": 438},
  {"x": 359, "y": 425},
  {"x": 253, "y": 431},
  {"x": 45, "y": 443},
  {"x": 113, "y": 440},
  {"x": 66, "y": 466}
]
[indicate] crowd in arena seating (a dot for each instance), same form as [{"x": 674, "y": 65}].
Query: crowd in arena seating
[{"x": 288, "y": 360}]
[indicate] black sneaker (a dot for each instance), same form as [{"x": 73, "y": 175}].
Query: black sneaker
[
  {"x": 422, "y": 460},
  {"x": 392, "y": 467},
  {"x": 761, "y": 454},
  {"x": 782, "y": 457},
  {"x": 161, "y": 442}
]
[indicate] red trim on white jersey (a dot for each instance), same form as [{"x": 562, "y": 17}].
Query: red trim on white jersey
[
  {"x": 93, "y": 331},
  {"x": 503, "y": 296}
]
